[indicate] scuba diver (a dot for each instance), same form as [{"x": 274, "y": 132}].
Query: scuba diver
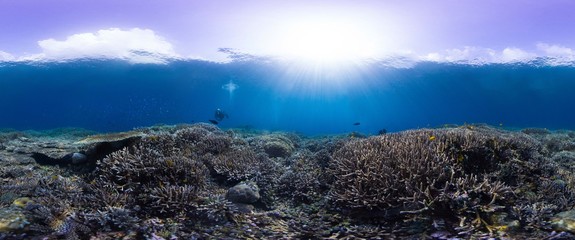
[{"x": 220, "y": 115}]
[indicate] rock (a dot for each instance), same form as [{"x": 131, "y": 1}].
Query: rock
[
  {"x": 244, "y": 208},
  {"x": 22, "y": 202},
  {"x": 19, "y": 150},
  {"x": 502, "y": 222},
  {"x": 564, "y": 221},
  {"x": 78, "y": 158},
  {"x": 12, "y": 220},
  {"x": 23, "y": 149},
  {"x": 244, "y": 192},
  {"x": 112, "y": 137}
]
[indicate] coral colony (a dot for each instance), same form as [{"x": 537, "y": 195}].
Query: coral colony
[{"x": 199, "y": 182}]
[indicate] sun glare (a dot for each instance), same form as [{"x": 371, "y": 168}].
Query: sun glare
[
  {"x": 326, "y": 54},
  {"x": 327, "y": 41}
]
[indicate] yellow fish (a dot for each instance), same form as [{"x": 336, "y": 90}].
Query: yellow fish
[{"x": 431, "y": 138}]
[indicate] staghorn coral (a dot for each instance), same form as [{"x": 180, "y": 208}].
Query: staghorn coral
[
  {"x": 556, "y": 192},
  {"x": 301, "y": 183},
  {"x": 145, "y": 182},
  {"x": 267, "y": 178},
  {"x": 470, "y": 173},
  {"x": 236, "y": 164},
  {"x": 494, "y": 179},
  {"x": 564, "y": 158},
  {"x": 170, "y": 200},
  {"x": 536, "y": 215},
  {"x": 202, "y": 139},
  {"x": 143, "y": 167},
  {"x": 57, "y": 217},
  {"x": 111, "y": 219},
  {"x": 216, "y": 210},
  {"x": 379, "y": 172},
  {"x": 166, "y": 175}
]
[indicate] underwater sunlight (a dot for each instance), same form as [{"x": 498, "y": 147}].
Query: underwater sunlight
[{"x": 321, "y": 79}]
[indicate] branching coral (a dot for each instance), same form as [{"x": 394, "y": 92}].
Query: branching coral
[
  {"x": 113, "y": 219},
  {"x": 301, "y": 183},
  {"x": 381, "y": 171},
  {"x": 466, "y": 182},
  {"x": 143, "y": 167},
  {"x": 202, "y": 138},
  {"x": 236, "y": 164},
  {"x": 58, "y": 217},
  {"x": 215, "y": 210},
  {"x": 174, "y": 200},
  {"x": 437, "y": 172},
  {"x": 267, "y": 177}
]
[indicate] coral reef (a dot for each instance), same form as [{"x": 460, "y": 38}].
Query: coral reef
[
  {"x": 236, "y": 164},
  {"x": 199, "y": 182},
  {"x": 275, "y": 145},
  {"x": 301, "y": 182},
  {"x": 425, "y": 175}
]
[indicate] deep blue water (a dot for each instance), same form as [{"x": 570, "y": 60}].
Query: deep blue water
[{"x": 107, "y": 95}]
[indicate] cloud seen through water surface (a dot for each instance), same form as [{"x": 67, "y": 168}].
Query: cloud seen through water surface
[
  {"x": 4, "y": 56},
  {"x": 139, "y": 45},
  {"x": 481, "y": 55},
  {"x": 135, "y": 45}
]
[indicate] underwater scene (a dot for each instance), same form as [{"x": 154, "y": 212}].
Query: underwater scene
[
  {"x": 130, "y": 133},
  {"x": 102, "y": 149}
]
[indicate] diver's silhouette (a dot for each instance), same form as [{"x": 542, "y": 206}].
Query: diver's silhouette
[{"x": 220, "y": 115}]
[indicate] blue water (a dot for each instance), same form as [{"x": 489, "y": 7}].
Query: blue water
[{"x": 110, "y": 95}]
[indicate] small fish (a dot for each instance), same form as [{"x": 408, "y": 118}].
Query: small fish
[
  {"x": 213, "y": 121},
  {"x": 356, "y": 124},
  {"x": 382, "y": 132},
  {"x": 431, "y": 138}
]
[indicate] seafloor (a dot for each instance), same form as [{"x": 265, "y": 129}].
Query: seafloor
[{"x": 200, "y": 182}]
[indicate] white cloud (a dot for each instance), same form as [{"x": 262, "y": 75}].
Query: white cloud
[
  {"x": 510, "y": 55},
  {"x": 145, "y": 46},
  {"x": 559, "y": 53},
  {"x": 135, "y": 45},
  {"x": 555, "y": 50},
  {"x": 467, "y": 54},
  {"x": 478, "y": 55},
  {"x": 4, "y": 56}
]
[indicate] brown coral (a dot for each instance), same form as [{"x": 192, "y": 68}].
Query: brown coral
[
  {"x": 301, "y": 182},
  {"x": 236, "y": 164},
  {"x": 438, "y": 172}
]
